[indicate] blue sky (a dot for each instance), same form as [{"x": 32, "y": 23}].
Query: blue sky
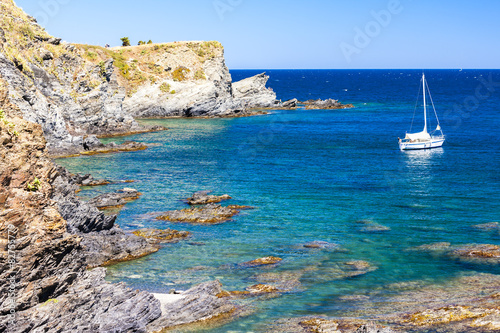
[{"x": 269, "y": 34}]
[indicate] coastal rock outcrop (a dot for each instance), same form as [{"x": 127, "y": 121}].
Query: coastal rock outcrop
[
  {"x": 326, "y": 104},
  {"x": 468, "y": 253},
  {"x": 203, "y": 198},
  {"x": 209, "y": 214},
  {"x": 58, "y": 86},
  {"x": 469, "y": 303},
  {"x": 157, "y": 236},
  {"x": 253, "y": 93},
  {"x": 115, "y": 199},
  {"x": 262, "y": 261},
  {"x": 196, "y": 304}
]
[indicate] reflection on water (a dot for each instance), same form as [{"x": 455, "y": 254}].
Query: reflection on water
[{"x": 422, "y": 157}]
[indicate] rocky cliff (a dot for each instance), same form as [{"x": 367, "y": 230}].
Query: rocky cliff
[
  {"x": 41, "y": 259},
  {"x": 49, "y": 239},
  {"x": 76, "y": 91}
]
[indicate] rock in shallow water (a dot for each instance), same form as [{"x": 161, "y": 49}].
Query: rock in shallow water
[
  {"x": 156, "y": 236},
  {"x": 115, "y": 199},
  {"x": 197, "y": 304},
  {"x": 209, "y": 214},
  {"x": 369, "y": 226},
  {"x": 203, "y": 198},
  {"x": 325, "y": 104},
  {"x": 262, "y": 261},
  {"x": 487, "y": 226}
]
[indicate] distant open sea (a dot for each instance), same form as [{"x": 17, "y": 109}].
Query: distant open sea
[{"x": 312, "y": 175}]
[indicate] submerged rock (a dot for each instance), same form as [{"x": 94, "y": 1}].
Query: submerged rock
[
  {"x": 471, "y": 253},
  {"x": 322, "y": 245},
  {"x": 203, "y": 198},
  {"x": 210, "y": 214},
  {"x": 370, "y": 226},
  {"x": 156, "y": 236},
  {"x": 115, "y": 199},
  {"x": 441, "y": 246},
  {"x": 478, "y": 251},
  {"x": 341, "y": 270},
  {"x": 487, "y": 226},
  {"x": 284, "y": 281},
  {"x": 262, "y": 261}
]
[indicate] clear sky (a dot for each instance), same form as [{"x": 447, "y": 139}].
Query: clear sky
[{"x": 292, "y": 34}]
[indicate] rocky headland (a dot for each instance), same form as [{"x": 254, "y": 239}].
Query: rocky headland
[{"x": 81, "y": 92}]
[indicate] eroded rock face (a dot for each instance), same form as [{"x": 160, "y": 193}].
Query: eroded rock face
[
  {"x": 51, "y": 287},
  {"x": 43, "y": 256},
  {"x": 92, "y": 305},
  {"x": 253, "y": 93}
]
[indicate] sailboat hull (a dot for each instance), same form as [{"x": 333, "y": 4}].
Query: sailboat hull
[{"x": 433, "y": 143}]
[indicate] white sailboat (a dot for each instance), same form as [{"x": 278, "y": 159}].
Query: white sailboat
[{"x": 424, "y": 139}]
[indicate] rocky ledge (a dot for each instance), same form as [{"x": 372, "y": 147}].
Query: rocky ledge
[
  {"x": 314, "y": 104},
  {"x": 327, "y": 104},
  {"x": 157, "y": 236},
  {"x": 115, "y": 199},
  {"x": 203, "y": 198},
  {"x": 209, "y": 214}
]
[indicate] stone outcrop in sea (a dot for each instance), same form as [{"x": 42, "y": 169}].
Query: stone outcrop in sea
[{"x": 208, "y": 214}]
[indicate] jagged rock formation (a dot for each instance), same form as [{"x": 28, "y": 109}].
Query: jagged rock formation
[
  {"x": 253, "y": 92},
  {"x": 201, "y": 89},
  {"x": 48, "y": 239},
  {"x": 38, "y": 256},
  {"x": 54, "y": 85}
]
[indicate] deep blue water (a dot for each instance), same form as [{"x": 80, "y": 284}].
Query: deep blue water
[{"x": 312, "y": 175}]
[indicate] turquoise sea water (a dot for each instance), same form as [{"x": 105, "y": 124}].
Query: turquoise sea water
[{"x": 312, "y": 175}]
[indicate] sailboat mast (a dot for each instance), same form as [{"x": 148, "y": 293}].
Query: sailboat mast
[{"x": 425, "y": 106}]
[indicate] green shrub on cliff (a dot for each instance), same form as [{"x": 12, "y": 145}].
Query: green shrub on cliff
[
  {"x": 165, "y": 87},
  {"x": 91, "y": 55},
  {"x": 125, "y": 41},
  {"x": 102, "y": 69},
  {"x": 180, "y": 73},
  {"x": 200, "y": 75},
  {"x": 34, "y": 186}
]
